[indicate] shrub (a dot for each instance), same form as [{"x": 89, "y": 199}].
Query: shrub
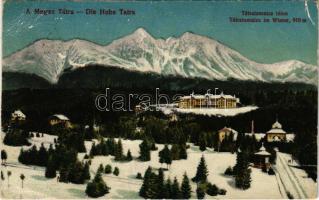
[
  {"x": 222, "y": 192},
  {"x": 212, "y": 190},
  {"x": 139, "y": 176},
  {"x": 229, "y": 171},
  {"x": 108, "y": 169},
  {"x": 86, "y": 156},
  {"x": 37, "y": 134},
  {"x": 97, "y": 187},
  {"x": 116, "y": 171},
  {"x": 289, "y": 195},
  {"x": 271, "y": 171},
  {"x": 200, "y": 192}
]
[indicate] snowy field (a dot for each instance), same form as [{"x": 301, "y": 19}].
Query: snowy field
[
  {"x": 126, "y": 185},
  {"x": 208, "y": 111}
]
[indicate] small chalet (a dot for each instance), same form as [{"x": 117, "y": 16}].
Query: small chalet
[
  {"x": 226, "y": 132},
  {"x": 261, "y": 158},
  {"x": 18, "y": 116},
  {"x": 60, "y": 119},
  {"x": 276, "y": 134}
]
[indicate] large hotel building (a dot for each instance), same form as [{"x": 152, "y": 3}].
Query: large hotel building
[{"x": 208, "y": 101}]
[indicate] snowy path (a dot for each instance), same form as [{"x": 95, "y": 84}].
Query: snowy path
[{"x": 289, "y": 179}]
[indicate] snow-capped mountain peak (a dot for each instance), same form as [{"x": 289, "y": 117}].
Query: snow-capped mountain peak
[{"x": 189, "y": 55}]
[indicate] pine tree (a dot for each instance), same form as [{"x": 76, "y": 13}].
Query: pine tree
[
  {"x": 86, "y": 172},
  {"x": 183, "y": 152},
  {"x": 42, "y": 156},
  {"x": 202, "y": 172},
  {"x": 176, "y": 192},
  {"x": 97, "y": 187},
  {"x": 145, "y": 153},
  {"x": 175, "y": 152},
  {"x": 165, "y": 156},
  {"x": 93, "y": 150},
  {"x": 242, "y": 175},
  {"x": 101, "y": 168},
  {"x": 202, "y": 142},
  {"x": 119, "y": 151},
  {"x": 186, "y": 188},
  {"x": 129, "y": 156},
  {"x": 200, "y": 192},
  {"x": 168, "y": 189},
  {"x": 146, "y": 182},
  {"x": 160, "y": 184},
  {"x": 152, "y": 190},
  {"x": 64, "y": 174},
  {"x": 50, "y": 170}
]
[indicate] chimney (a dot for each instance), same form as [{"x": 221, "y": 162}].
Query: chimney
[{"x": 252, "y": 127}]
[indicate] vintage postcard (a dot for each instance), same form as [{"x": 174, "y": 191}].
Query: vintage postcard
[{"x": 159, "y": 99}]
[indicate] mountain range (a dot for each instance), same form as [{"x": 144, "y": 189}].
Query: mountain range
[{"x": 189, "y": 56}]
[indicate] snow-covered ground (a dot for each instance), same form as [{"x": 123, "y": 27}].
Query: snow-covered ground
[
  {"x": 126, "y": 185},
  {"x": 294, "y": 180},
  {"x": 208, "y": 111}
]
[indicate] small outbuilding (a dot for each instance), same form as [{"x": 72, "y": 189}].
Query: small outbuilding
[
  {"x": 60, "y": 119},
  {"x": 261, "y": 158},
  {"x": 226, "y": 132},
  {"x": 18, "y": 115}
]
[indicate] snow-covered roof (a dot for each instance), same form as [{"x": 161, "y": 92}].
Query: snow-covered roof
[
  {"x": 258, "y": 136},
  {"x": 18, "y": 113},
  {"x": 227, "y": 129},
  {"x": 277, "y": 128},
  {"x": 61, "y": 117},
  {"x": 290, "y": 137},
  {"x": 277, "y": 125},
  {"x": 262, "y": 151},
  {"x": 211, "y": 96}
]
